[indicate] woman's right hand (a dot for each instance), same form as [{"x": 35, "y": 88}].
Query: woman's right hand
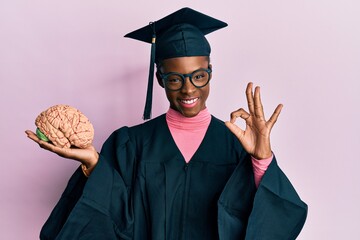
[{"x": 87, "y": 156}]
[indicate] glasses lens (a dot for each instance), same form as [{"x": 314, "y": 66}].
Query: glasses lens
[
  {"x": 200, "y": 78},
  {"x": 174, "y": 81}
]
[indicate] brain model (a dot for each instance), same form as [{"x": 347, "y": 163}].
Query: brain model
[{"x": 64, "y": 126}]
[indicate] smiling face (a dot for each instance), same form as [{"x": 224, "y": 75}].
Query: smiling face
[{"x": 189, "y": 100}]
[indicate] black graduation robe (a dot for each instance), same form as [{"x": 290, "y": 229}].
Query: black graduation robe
[{"x": 142, "y": 188}]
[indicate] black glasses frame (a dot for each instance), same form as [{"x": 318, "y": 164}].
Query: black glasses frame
[{"x": 184, "y": 76}]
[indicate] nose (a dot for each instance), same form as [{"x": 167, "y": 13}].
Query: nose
[{"x": 188, "y": 87}]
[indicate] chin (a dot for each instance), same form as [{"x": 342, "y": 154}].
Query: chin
[{"x": 188, "y": 112}]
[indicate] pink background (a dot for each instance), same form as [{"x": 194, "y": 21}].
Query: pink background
[{"x": 304, "y": 54}]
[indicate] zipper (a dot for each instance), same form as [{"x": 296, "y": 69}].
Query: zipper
[{"x": 187, "y": 169}]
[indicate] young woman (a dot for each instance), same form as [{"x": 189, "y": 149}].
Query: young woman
[{"x": 184, "y": 174}]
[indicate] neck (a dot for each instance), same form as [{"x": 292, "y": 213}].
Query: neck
[{"x": 176, "y": 120}]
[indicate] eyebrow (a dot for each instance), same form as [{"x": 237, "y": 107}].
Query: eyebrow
[{"x": 164, "y": 73}]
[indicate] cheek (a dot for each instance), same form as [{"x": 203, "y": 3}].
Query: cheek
[
  {"x": 171, "y": 96},
  {"x": 206, "y": 92}
]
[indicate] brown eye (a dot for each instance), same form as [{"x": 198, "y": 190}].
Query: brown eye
[{"x": 200, "y": 75}]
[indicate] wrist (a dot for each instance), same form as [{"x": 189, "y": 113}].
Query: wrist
[
  {"x": 86, "y": 171},
  {"x": 91, "y": 162},
  {"x": 88, "y": 166},
  {"x": 262, "y": 156}
]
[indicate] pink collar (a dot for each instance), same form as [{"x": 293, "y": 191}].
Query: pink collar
[{"x": 176, "y": 120}]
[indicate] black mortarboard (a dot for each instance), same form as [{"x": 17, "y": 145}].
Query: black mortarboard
[{"x": 179, "y": 34}]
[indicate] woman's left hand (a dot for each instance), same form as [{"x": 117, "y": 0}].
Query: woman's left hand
[{"x": 256, "y": 137}]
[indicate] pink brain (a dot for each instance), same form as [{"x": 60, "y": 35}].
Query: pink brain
[{"x": 65, "y": 126}]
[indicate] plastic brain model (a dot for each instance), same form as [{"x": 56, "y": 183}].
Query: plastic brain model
[{"x": 64, "y": 126}]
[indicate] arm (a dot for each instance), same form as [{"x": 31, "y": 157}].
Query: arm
[
  {"x": 99, "y": 207},
  {"x": 277, "y": 211}
]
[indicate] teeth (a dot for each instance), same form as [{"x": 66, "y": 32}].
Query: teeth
[{"x": 189, "y": 101}]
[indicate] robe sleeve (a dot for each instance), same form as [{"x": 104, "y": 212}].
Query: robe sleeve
[
  {"x": 64, "y": 206},
  {"x": 102, "y": 206},
  {"x": 277, "y": 212}
]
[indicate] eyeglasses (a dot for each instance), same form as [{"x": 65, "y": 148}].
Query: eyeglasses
[{"x": 175, "y": 81}]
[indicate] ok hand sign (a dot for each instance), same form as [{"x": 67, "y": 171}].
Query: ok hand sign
[{"x": 256, "y": 137}]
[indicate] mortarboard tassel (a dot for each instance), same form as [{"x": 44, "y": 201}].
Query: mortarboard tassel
[{"x": 149, "y": 93}]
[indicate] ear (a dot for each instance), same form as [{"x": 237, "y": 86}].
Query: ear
[
  {"x": 210, "y": 67},
  {"x": 159, "y": 79}
]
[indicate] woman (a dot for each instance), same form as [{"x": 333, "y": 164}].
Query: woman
[{"x": 184, "y": 174}]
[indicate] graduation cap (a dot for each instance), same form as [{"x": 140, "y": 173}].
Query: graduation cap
[{"x": 180, "y": 34}]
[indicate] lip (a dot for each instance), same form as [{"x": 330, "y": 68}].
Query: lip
[{"x": 188, "y": 102}]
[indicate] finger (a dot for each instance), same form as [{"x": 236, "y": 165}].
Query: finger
[
  {"x": 48, "y": 146},
  {"x": 237, "y": 131},
  {"x": 274, "y": 116},
  {"x": 259, "y": 110},
  {"x": 250, "y": 97},
  {"x": 63, "y": 152},
  {"x": 81, "y": 155},
  {"x": 32, "y": 136},
  {"x": 239, "y": 113},
  {"x": 42, "y": 144}
]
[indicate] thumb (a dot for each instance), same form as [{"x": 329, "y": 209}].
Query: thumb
[{"x": 237, "y": 131}]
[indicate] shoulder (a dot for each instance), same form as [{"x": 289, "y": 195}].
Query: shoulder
[
  {"x": 148, "y": 126},
  {"x": 135, "y": 134},
  {"x": 144, "y": 132},
  {"x": 217, "y": 121},
  {"x": 139, "y": 128}
]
